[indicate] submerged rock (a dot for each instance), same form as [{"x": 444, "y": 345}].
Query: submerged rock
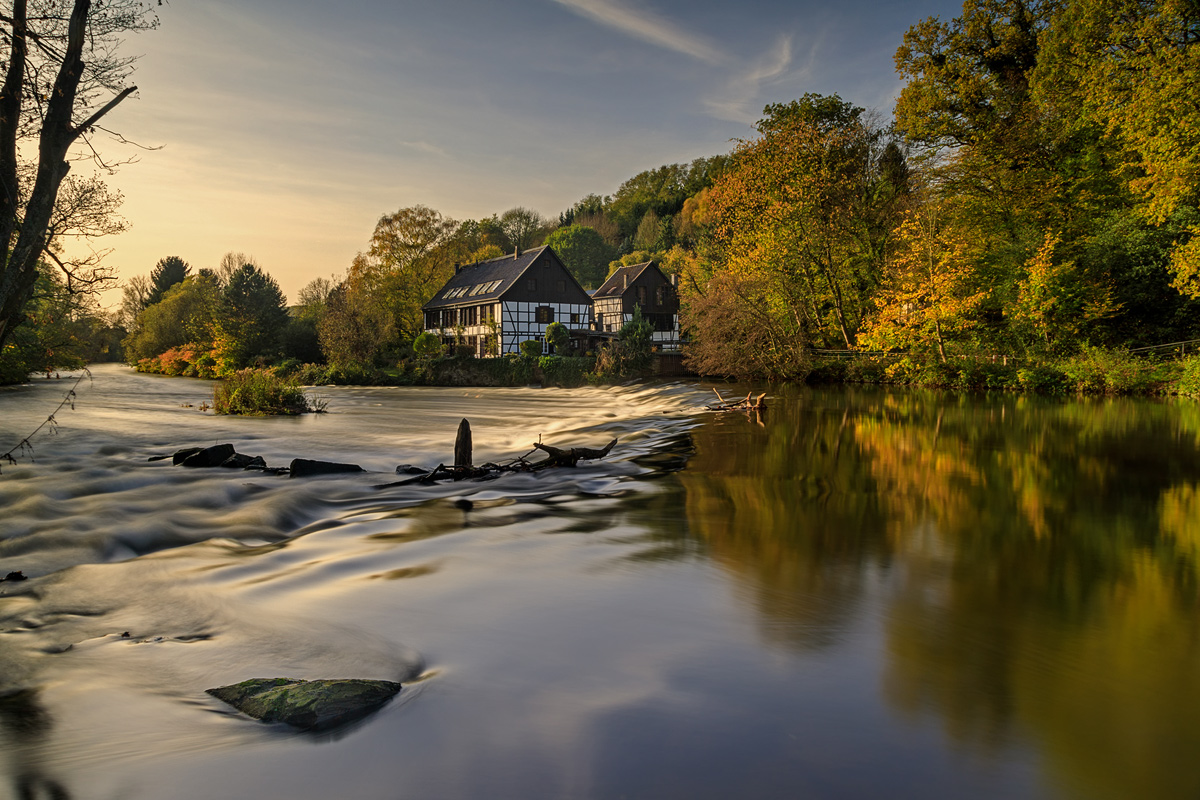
[
  {"x": 303, "y": 466},
  {"x": 308, "y": 705},
  {"x": 209, "y": 457},
  {"x": 243, "y": 461}
]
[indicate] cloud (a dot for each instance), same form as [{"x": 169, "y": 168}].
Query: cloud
[
  {"x": 647, "y": 27},
  {"x": 738, "y": 100},
  {"x": 425, "y": 147}
]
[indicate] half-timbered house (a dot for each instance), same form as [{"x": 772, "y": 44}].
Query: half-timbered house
[
  {"x": 642, "y": 285},
  {"x": 495, "y": 305}
]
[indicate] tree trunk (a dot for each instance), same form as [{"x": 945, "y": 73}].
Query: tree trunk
[
  {"x": 462, "y": 445},
  {"x": 18, "y": 273}
]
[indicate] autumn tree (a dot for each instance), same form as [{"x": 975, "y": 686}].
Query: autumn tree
[
  {"x": 737, "y": 334},
  {"x": 62, "y": 76},
  {"x": 410, "y": 257},
  {"x": 930, "y": 293},
  {"x": 796, "y": 218},
  {"x": 1133, "y": 68},
  {"x": 355, "y": 326}
]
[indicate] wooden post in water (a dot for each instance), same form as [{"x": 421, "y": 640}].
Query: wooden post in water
[{"x": 462, "y": 445}]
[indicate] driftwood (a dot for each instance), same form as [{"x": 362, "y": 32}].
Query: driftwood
[
  {"x": 749, "y": 403},
  {"x": 463, "y": 469},
  {"x": 569, "y": 458}
]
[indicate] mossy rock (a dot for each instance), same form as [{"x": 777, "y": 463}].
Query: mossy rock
[{"x": 308, "y": 705}]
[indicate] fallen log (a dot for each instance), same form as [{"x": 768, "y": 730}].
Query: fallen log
[{"x": 570, "y": 457}]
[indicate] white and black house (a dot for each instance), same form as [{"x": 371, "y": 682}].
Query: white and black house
[
  {"x": 642, "y": 285},
  {"x": 495, "y": 305}
]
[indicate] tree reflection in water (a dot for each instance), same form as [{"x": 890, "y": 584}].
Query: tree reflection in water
[
  {"x": 1036, "y": 563},
  {"x": 25, "y": 724}
]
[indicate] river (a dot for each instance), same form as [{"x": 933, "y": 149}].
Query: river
[{"x": 857, "y": 594}]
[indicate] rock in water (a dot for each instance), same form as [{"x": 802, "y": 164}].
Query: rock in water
[
  {"x": 243, "y": 461},
  {"x": 308, "y": 705},
  {"x": 181, "y": 455},
  {"x": 304, "y": 467},
  {"x": 209, "y": 457}
]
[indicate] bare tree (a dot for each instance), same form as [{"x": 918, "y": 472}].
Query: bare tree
[
  {"x": 62, "y": 77},
  {"x": 522, "y": 226}
]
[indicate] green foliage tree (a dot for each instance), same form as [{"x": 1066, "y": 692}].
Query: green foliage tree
[
  {"x": 186, "y": 315},
  {"x": 662, "y": 190},
  {"x": 591, "y": 205},
  {"x": 654, "y": 233},
  {"x": 61, "y": 330},
  {"x": 531, "y": 348},
  {"x": 584, "y": 253},
  {"x": 559, "y": 338},
  {"x": 251, "y": 318},
  {"x": 635, "y": 339},
  {"x": 168, "y": 272},
  {"x": 427, "y": 345},
  {"x": 301, "y": 339}
]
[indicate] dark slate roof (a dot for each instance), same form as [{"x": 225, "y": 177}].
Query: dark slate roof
[
  {"x": 615, "y": 285},
  {"x": 496, "y": 275}
]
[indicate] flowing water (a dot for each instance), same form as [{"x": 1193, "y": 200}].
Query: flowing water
[{"x": 856, "y": 594}]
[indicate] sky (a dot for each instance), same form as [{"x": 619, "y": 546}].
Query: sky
[{"x": 284, "y": 129}]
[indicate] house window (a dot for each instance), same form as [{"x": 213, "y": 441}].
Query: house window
[
  {"x": 641, "y": 295},
  {"x": 472, "y": 315},
  {"x": 660, "y": 295},
  {"x": 531, "y": 284},
  {"x": 574, "y": 319},
  {"x": 544, "y": 314}
]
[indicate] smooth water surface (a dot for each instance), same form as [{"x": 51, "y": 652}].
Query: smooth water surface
[{"x": 857, "y": 594}]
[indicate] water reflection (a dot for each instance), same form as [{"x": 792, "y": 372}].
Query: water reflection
[
  {"x": 1036, "y": 564},
  {"x": 790, "y": 508},
  {"x": 24, "y": 728}
]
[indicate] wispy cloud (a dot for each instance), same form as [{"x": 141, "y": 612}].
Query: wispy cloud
[
  {"x": 739, "y": 99},
  {"x": 647, "y": 27},
  {"x": 424, "y": 147}
]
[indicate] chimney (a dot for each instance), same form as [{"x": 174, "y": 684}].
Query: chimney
[
  {"x": 626, "y": 280},
  {"x": 675, "y": 279},
  {"x": 516, "y": 253},
  {"x": 457, "y": 266}
]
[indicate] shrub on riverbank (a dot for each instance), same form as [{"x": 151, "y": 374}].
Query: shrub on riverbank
[
  {"x": 1095, "y": 371},
  {"x": 260, "y": 393},
  {"x": 1187, "y": 381}
]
